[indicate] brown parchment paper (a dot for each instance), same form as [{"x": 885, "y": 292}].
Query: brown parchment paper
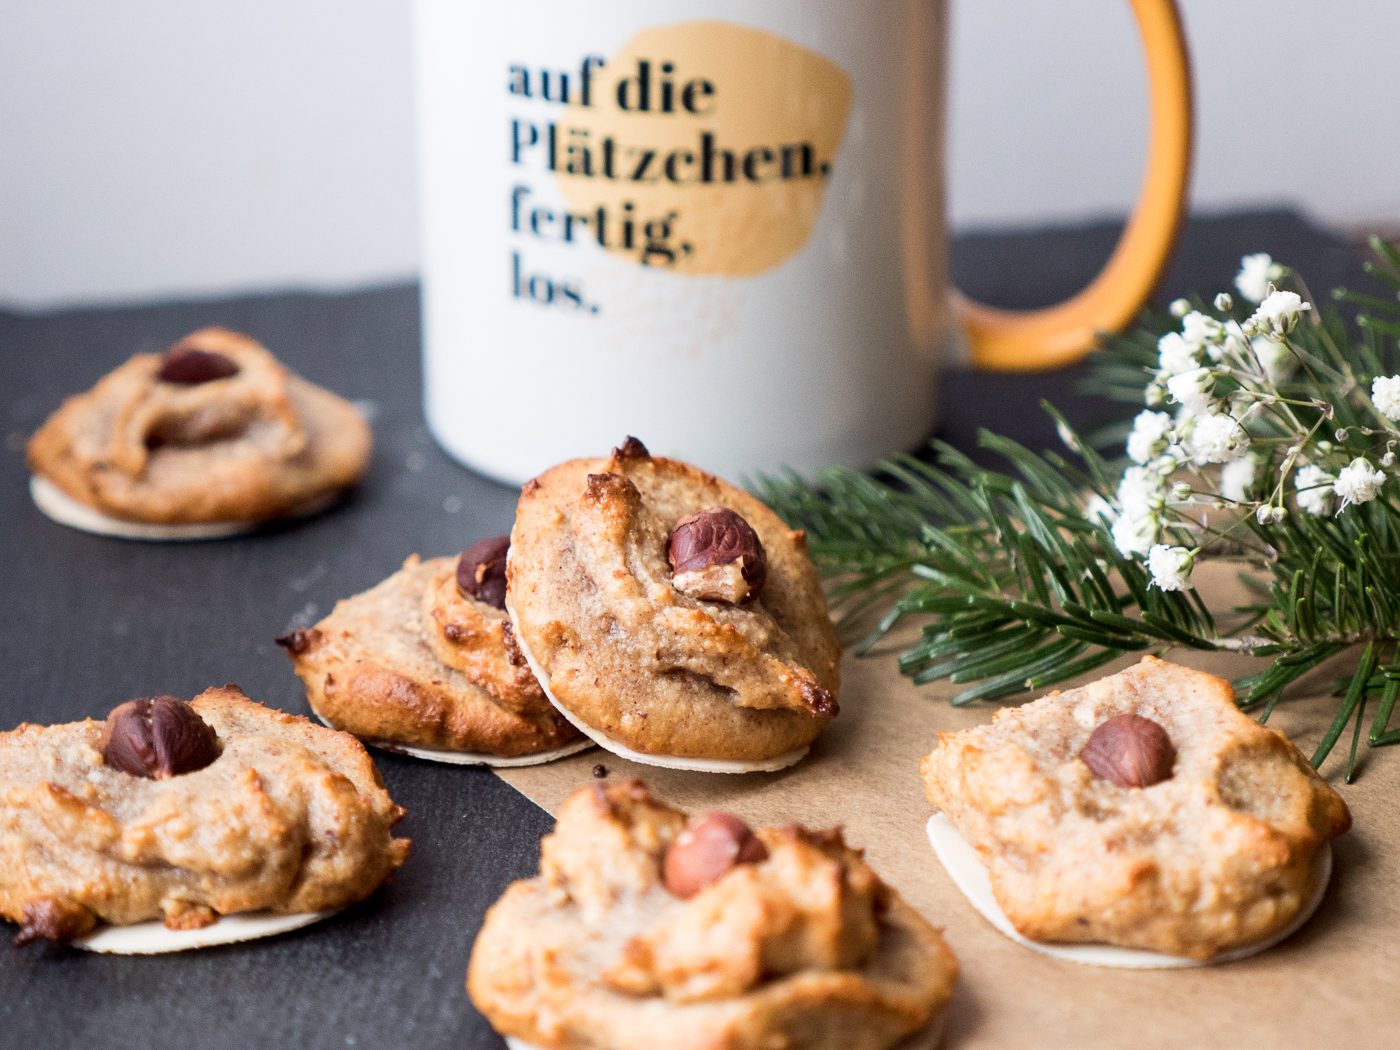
[{"x": 1336, "y": 982}]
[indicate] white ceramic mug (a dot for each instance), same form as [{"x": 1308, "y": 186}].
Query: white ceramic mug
[{"x": 717, "y": 225}]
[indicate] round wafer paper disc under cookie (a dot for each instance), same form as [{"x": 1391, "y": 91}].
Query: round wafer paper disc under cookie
[
  {"x": 967, "y": 870},
  {"x": 926, "y": 1038},
  {"x": 58, "y": 506},
  {"x": 698, "y": 765},
  {"x": 153, "y": 938},
  {"x": 472, "y": 758}
]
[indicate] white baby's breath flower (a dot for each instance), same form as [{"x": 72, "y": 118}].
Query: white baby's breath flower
[
  {"x": 1314, "y": 487},
  {"x": 1200, "y": 329},
  {"x": 1278, "y": 314},
  {"x": 1175, "y": 355},
  {"x": 1141, "y": 492},
  {"x": 1154, "y": 394},
  {"x": 1275, "y": 359},
  {"x": 1134, "y": 535},
  {"x": 1237, "y": 476},
  {"x": 1192, "y": 390},
  {"x": 1179, "y": 308},
  {"x": 1358, "y": 482},
  {"x": 1385, "y": 395},
  {"x": 1149, "y": 434},
  {"x": 1224, "y": 302},
  {"x": 1170, "y": 567},
  {"x": 1097, "y": 509},
  {"x": 1217, "y": 438},
  {"x": 1256, "y": 271},
  {"x": 1388, "y": 460}
]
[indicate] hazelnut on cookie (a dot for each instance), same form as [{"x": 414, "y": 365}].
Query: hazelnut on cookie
[
  {"x": 672, "y": 617},
  {"x": 1143, "y": 810},
  {"x": 649, "y": 929},
  {"x": 425, "y": 662},
  {"x": 186, "y": 812},
  {"x": 210, "y": 438}
]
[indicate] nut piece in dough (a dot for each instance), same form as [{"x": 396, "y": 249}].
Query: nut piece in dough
[
  {"x": 187, "y": 366},
  {"x": 413, "y": 661},
  {"x": 160, "y": 737},
  {"x": 481, "y": 571},
  {"x": 290, "y": 817},
  {"x": 1217, "y": 856},
  {"x": 638, "y": 661},
  {"x": 716, "y": 555},
  {"x": 1131, "y": 751},
  {"x": 803, "y": 947},
  {"x": 214, "y": 430},
  {"x": 707, "y": 847}
]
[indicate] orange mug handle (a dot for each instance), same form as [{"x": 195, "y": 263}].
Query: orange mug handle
[{"x": 1029, "y": 340}]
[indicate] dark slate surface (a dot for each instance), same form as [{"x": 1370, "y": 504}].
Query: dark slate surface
[{"x": 87, "y": 622}]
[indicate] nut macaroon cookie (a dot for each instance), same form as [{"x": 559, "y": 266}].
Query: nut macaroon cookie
[
  {"x": 425, "y": 663},
  {"x": 162, "y": 827},
  {"x": 1143, "y": 810},
  {"x": 672, "y": 617},
  {"x": 647, "y": 928},
  {"x": 211, "y": 438}
]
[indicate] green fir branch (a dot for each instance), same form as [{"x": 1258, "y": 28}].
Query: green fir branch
[{"x": 1016, "y": 583}]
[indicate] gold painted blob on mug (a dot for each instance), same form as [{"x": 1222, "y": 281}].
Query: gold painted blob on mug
[{"x": 707, "y": 148}]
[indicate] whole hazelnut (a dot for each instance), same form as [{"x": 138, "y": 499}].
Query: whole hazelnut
[
  {"x": 716, "y": 556},
  {"x": 481, "y": 571},
  {"x": 709, "y": 845},
  {"x": 186, "y": 366},
  {"x": 157, "y": 738},
  {"x": 1131, "y": 751}
]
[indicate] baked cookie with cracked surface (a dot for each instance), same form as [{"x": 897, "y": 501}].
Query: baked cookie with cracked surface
[
  {"x": 426, "y": 663},
  {"x": 211, "y": 438},
  {"x": 185, "y": 813},
  {"x": 649, "y": 929},
  {"x": 672, "y": 617},
  {"x": 1143, "y": 810}
]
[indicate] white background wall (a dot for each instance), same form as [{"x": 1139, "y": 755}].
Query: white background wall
[{"x": 157, "y": 148}]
